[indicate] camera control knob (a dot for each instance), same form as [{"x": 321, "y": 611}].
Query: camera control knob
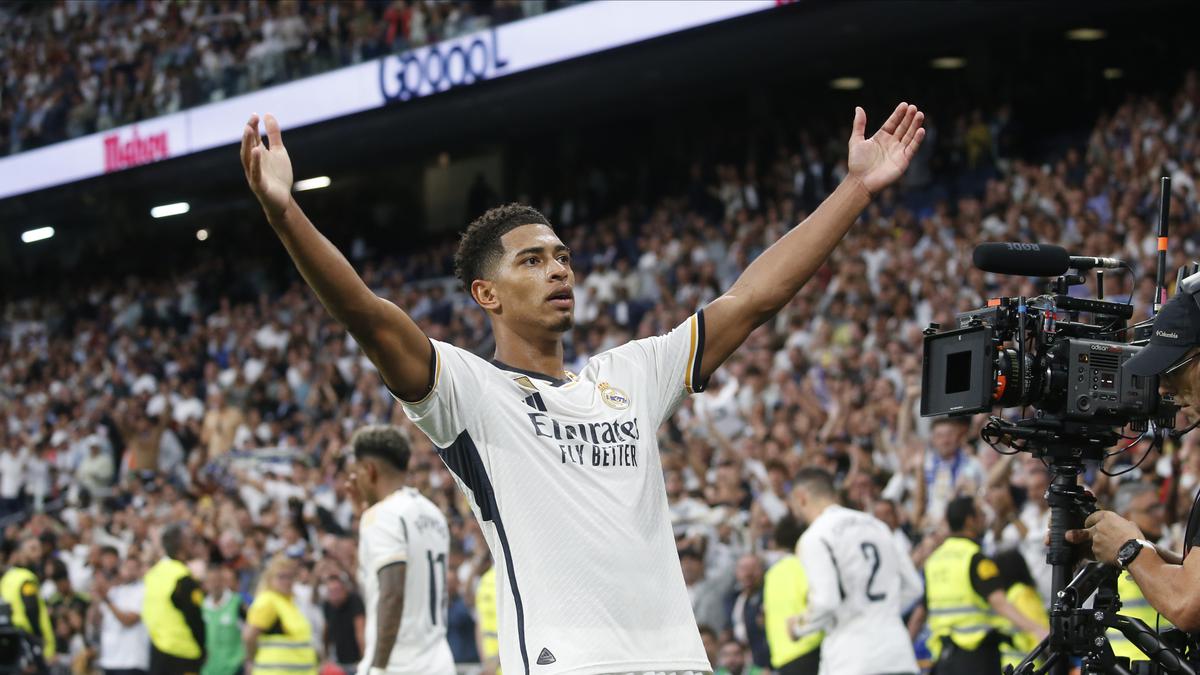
[{"x": 1084, "y": 403}]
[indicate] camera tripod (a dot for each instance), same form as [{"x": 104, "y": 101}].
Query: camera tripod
[{"x": 1075, "y": 631}]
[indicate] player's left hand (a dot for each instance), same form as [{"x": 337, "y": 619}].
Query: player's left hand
[
  {"x": 879, "y": 161},
  {"x": 1107, "y": 532}
]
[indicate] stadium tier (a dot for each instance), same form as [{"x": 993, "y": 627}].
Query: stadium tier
[{"x": 605, "y": 357}]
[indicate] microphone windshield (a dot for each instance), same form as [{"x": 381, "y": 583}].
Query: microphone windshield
[{"x": 1031, "y": 260}]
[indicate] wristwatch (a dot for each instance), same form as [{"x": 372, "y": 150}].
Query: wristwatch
[{"x": 1130, "y": 550}]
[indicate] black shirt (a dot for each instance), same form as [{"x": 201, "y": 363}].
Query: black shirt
[{"x": 339, "y": 624}]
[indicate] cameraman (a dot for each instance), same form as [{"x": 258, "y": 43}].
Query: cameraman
[{"x": 1170, "y": 583}]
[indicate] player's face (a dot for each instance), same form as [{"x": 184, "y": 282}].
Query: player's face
[{"x": 533, "y": 283}]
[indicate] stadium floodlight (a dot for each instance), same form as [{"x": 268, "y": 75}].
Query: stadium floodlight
[
  {"x": 1113, "y": 73},
  {"x": 948, "y": 63},
  {"x": 37, "y": 234},
  {"x": 176, "y": 209},
  {"x": 311, "y": 184},
  {"x": 202, "y": 235},
  {"x": 846, "y": 83},
  {"x": 1086, "y": 34}
]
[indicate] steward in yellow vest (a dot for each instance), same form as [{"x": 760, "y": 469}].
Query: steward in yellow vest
[
  {"x": 785, "y": 594},
  {"x": 19, "y": 588},
  {"x": 965, "y": 600},
  {"x": 277, "y": 634},
  {"x": 172, "y": 611},
  {"x": 486, "y": 624},
  {"x": 1022, "y": 593}
]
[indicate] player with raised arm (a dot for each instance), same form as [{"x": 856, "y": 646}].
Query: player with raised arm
[
  {"x": 562, "y": 470},
  {"x": 859, "y": 583},
  {"x": 403, "y": 544}
]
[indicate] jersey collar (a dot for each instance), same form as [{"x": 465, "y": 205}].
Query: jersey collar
[{"x": 529, "y": 373}]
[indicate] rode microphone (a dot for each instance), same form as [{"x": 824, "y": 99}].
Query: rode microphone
[{"x": 1035, "y": 260}]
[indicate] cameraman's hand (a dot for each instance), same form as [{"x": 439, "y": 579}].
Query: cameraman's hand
[{"x": 1107, "y": 532}]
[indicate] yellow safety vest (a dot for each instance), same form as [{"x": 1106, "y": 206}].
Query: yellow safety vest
[
  {"x": 17, "y": 584},
  {"x": 1028, "y": 602},
  {"x": 956, "y": 611},
  {"x": 169, "y": 631},
  {"x": 785, "y": 594},
  {"x": 485, "y": 609},
  {"x": 1134, "y": 604},
  {"x": 285, "y": 647}
]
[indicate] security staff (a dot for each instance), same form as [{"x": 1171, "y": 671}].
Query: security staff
[
  {"x": 785, "y": 594},
  {"x": 19, "y": 588},
  {"x": 277, "y": 634},
  {"x": 1138, "y": 503},
  {"x": 965, "y": 599},
  {"x": 1168, "y": 581},
  {"x": 172, "y": 611},
  {"x": 485, "y": 614},
  {"x": 1022, "y": 593}
]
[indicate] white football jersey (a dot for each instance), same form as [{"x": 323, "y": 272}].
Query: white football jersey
[
  {"x": 858, "y": 587},
  {"x": 566, "y": 482},
  {"x": 407, "y": 528}
]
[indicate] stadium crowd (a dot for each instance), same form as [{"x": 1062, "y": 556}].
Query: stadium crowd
[
  {"x": 135, "y": 403},
  {"x": 74, "y": 67}
]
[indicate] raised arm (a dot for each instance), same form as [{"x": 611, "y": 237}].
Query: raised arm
[
  {"x": 392, "y": 340},
  {"x": 775, "y": 277}
]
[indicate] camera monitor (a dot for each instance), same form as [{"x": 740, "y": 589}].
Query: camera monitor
[{"x": 957, "y": 372}]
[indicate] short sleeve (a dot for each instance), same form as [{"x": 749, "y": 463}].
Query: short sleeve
[
  {"x": 385, "y": 539},
  {"x": 456, "y": 390},
  {"x": 985, "y": 576},
  {"x": 671, "y": 363},
  {"x": 262, "y": 614}
]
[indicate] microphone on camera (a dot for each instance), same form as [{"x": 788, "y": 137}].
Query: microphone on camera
[{"x": 1035, "y": 260}]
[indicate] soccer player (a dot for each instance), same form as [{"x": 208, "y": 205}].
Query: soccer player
[
  {"x": 858, "y": 583},
  {"x": 402, "y": 550},
  {"x": 562, "y": 469}
]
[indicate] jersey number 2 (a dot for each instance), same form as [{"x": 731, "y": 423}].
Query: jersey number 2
[
  {"x": 434, "y": 596},
  {"x": 871, "y": 553}
]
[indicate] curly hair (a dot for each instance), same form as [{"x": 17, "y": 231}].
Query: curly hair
[
  {"x": 480, "y": 249},
  {"x": 384, "y": 442}
]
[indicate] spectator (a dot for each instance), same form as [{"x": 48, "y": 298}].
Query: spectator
[
  {"x": 749, "y": 627},
  {"x": 708, "y": 595},
  {"x": 732, "y": 661},
  {"x": 224, "y": 613},
  {"x": 345, "y": 617},
  {"x": 124, "y": 647}
]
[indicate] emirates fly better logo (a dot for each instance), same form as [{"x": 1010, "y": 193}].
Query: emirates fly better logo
[{"x": 133, "y": 150}]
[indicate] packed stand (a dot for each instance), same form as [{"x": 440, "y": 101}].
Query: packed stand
[
  {"x": 138, "y": 403},
  {"x": 73, "y": 67}
]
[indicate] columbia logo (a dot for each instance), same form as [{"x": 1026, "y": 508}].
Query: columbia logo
[
  {"x": 1165, "y": 334},
  {"x": 545, "y": 658}
]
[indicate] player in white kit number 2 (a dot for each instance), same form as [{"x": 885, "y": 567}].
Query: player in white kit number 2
[
  {"x": 859, "y": 583},
  {"x": 562, "y": 470},
  {"x": 403, "y": 543}
]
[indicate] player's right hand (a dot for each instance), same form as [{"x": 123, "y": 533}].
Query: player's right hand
[{"x": 268, "y": 167}]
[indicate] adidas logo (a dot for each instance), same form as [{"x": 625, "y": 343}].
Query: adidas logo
[
  {"x": 545, "y": 658},
  {"x": 535, "y": 401}
]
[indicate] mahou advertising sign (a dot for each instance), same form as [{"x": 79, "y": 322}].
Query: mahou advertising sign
[{"x": 124, "y": 151}]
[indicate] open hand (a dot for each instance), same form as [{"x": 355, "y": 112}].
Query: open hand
[
  {"x": 880, "y": 160},
  {"x": 268, "y": 168}
]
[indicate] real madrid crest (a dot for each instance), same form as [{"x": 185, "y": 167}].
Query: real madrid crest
[{"x": 613, "y": 397}]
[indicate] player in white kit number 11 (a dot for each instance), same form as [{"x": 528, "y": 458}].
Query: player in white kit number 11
[{"x": 403, "y": 543}]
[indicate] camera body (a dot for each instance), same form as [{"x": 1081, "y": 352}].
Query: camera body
[{"x": 1014, "y": 354}]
